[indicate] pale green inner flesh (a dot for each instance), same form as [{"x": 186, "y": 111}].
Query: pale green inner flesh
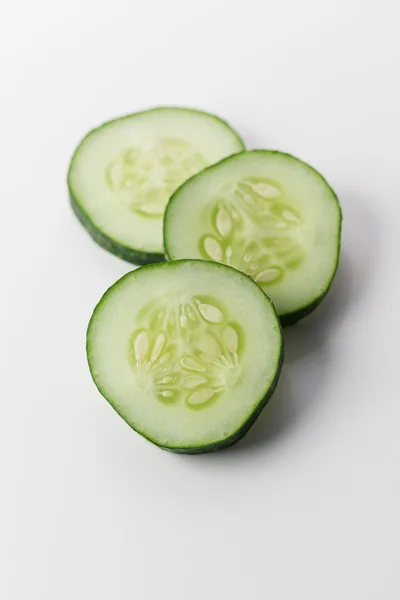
[
  {"x": 186, "y": 351},
  {"x": 144, "y": 179},
  {"x": 123, "y": 173},
  {"x": 268, "y": 215},
  {"x": 254, "y": 228}
]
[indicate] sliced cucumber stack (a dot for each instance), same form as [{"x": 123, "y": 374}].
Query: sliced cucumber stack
[
  {"x": 123, "y": 174},
  {"x": 267, "y": 214},
  {"x": 187, "y": 353}
]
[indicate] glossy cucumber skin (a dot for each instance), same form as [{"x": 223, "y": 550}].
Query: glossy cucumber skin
[
  {"x": 293, "y": 317},
  {"x": 130, "y": 254},
  {"x": 196, "y": 449}
]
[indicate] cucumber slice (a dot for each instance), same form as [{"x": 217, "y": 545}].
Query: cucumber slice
[
  {"x": 123, "y": 173},
  {"x": 267, "y": 214},
  {"x": 186, "y": 352}
]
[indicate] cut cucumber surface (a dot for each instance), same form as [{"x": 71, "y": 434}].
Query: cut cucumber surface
[
  {"x": 123, "y": 173},
  {"x": 186, "y": 352},
  {"x": 267, "y": 214}
]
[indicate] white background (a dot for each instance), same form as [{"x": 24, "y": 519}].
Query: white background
[{"x": 307, "y": 506}]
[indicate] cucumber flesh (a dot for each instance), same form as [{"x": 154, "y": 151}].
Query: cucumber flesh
[
  {"x": 267, "y": 214},
  {"x": 187, "y": 352},
  {"x": 123, "y": 173}
]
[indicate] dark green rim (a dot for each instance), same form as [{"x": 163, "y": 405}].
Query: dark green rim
[
  {"x": 131, "y": 255},
  {"x": 249, "y": 421},
  {"x": 293, "y": 317},
  {"x": 128, "y": 253}
]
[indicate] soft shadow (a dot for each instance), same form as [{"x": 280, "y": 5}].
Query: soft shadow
[
  {"x": 300, "y": 386},
  {"x": 308, "y": 353},
  {"x": 307, "y": 349}
]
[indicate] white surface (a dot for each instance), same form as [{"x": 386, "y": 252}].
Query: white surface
[{"x": 307, "y": 506}]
